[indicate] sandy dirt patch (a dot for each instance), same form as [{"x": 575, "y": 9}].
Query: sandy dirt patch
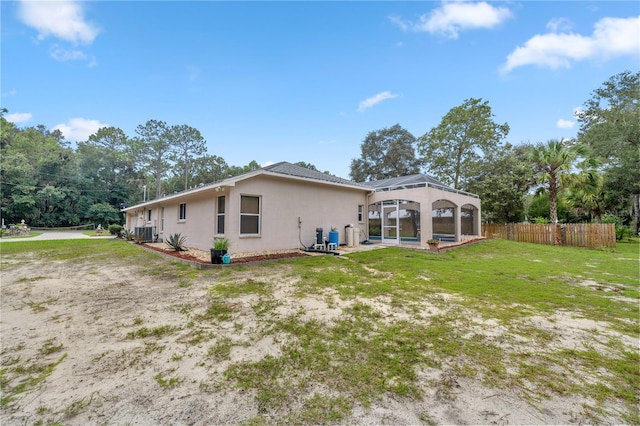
[{"x": 108, "y": 344}]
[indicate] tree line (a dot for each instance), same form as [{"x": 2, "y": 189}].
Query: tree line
[
  {"x": 47, "y": 183},
  {"x": 593, "y": 177}
]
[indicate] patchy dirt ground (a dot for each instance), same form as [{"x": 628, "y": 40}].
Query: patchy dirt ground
[{"x": 107, "y": 344}]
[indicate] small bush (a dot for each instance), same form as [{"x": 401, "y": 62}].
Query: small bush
[
  {"x": 610, "y": 218},
  {"x": 115, "y": 229},
  {"x": 220, "y": 244},
  {"x": 176, "y": 242},
  {"x": 127, "y": 234},
  {"x": 623, "y": 232}
]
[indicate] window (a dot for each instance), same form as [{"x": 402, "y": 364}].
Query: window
[
  {"x": 162, "y": 219},
  {"x": 149, "y": 215},
  {"x": 360, "y": 213},
  {"x": 182, "y": 212},
  {"x": 220, "y": 216},
  {"x": 249, "y": 215}
]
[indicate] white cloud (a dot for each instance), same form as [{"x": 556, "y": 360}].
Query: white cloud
[
  {"x": 369, "y": 102},
  {"x": 559, "y": 24},
  {"x": 611, "y": 37},
  {"x": 61, "y": 54},
  {"x": 452, "y": 17},
  {"x": 565, "y": 124},
  {"x": 79, "y": 129},
  {"x": 18, "y": 117},
  {"x": 61, "y": 19},
  {"x": 404, "y": 25},
  {"x": 11, "y": 92}
]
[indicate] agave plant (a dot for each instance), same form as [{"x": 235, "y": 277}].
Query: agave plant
[{"x": 176, "y": 242}]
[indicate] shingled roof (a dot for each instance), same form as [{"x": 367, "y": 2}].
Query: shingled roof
[{"x": 285, "y": 168}]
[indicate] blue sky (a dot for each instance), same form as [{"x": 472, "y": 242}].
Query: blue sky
[{"x": 306, "y": 81}]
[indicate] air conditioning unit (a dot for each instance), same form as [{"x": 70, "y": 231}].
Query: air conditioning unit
[{"x": 144, "y": 234}]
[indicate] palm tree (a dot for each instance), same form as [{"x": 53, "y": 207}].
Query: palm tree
[
  {"x": 587, "y": 194},
  {"x": 552, "y": 163}
]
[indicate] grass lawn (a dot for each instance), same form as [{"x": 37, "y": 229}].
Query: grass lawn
[{"x": 538, "y": 322}]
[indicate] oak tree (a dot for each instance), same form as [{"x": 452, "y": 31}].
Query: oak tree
[{"x": 454, "y": 150}]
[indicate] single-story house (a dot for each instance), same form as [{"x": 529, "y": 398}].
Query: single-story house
[{"x": 283, "y": 206}]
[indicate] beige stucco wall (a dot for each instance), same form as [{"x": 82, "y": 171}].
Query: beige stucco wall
[
  {"x": 291, "y": 210},
  {"x": 283, "y": 201},
  {"x": 198, "y": 226}
]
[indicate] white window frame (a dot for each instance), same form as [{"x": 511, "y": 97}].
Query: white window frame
[
  {"x": 258, "y": 215},
  {"x": 360, "y": 213},
  {"x": 182, "y": 212},
  {"x": 222, "y": 214}
]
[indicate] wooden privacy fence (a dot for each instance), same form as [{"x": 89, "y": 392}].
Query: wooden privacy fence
[{"x": 590, "y": 235}]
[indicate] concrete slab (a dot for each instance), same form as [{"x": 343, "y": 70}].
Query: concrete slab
[{"x": 53, "y": 235}]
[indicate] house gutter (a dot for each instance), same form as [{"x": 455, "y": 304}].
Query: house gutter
[{"x": 217, "y": 187}]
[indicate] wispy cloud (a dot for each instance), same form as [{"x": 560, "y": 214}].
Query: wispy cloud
[
  {"x": 453, "y": 17},
  {"x": 18, "y": 117},
  {"x": 565, "y": 124},
  {"x": 559, "y": 24},
  {"x": 79, "y": 129},
  {"x": 61, "y": 19},
  {"x": 61, "y": 54},
  {"x": 376, "y": 99},
  {"x": 612, "y": 37},
  {"x": 577, "y": 111}
]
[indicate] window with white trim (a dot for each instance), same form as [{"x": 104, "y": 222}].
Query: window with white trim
[
  {"x": 249, "y": 215},
  {"x": 182, "y": 212},
  {"x": 220, "y": 215},
  {"x": 149, "y": 215},
  {"x": 162, "y": 219},
  {"x": 360, "y": 213}
]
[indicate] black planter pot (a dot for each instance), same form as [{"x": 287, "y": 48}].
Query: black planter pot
[{"x": 216, "y": 256}]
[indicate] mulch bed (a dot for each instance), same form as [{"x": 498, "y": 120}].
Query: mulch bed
[{"x": 248, "y": 259}]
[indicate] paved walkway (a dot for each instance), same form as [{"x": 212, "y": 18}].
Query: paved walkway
[{"x": 54, "y": 235}]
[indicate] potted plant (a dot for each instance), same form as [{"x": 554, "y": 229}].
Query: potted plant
[
  {"x": 433, "y": 244},
  {"x": 220, "y": 247}
]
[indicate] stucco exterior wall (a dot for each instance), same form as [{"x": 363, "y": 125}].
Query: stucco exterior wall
[
  {"x": 198, "y": 227},
  {"x": 282, "y": 202},
  {"x": 290, "y": 211}
]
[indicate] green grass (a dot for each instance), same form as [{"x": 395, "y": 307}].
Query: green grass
[
  {"x": 28, "y": 376},
  {"x": 167, "y": 382},
  {"x": 99, "y": 250},
  {"x": 433, "y": 305},
  {"x": 155, "y": 332},
  {"x": 364, "y": 356}
]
